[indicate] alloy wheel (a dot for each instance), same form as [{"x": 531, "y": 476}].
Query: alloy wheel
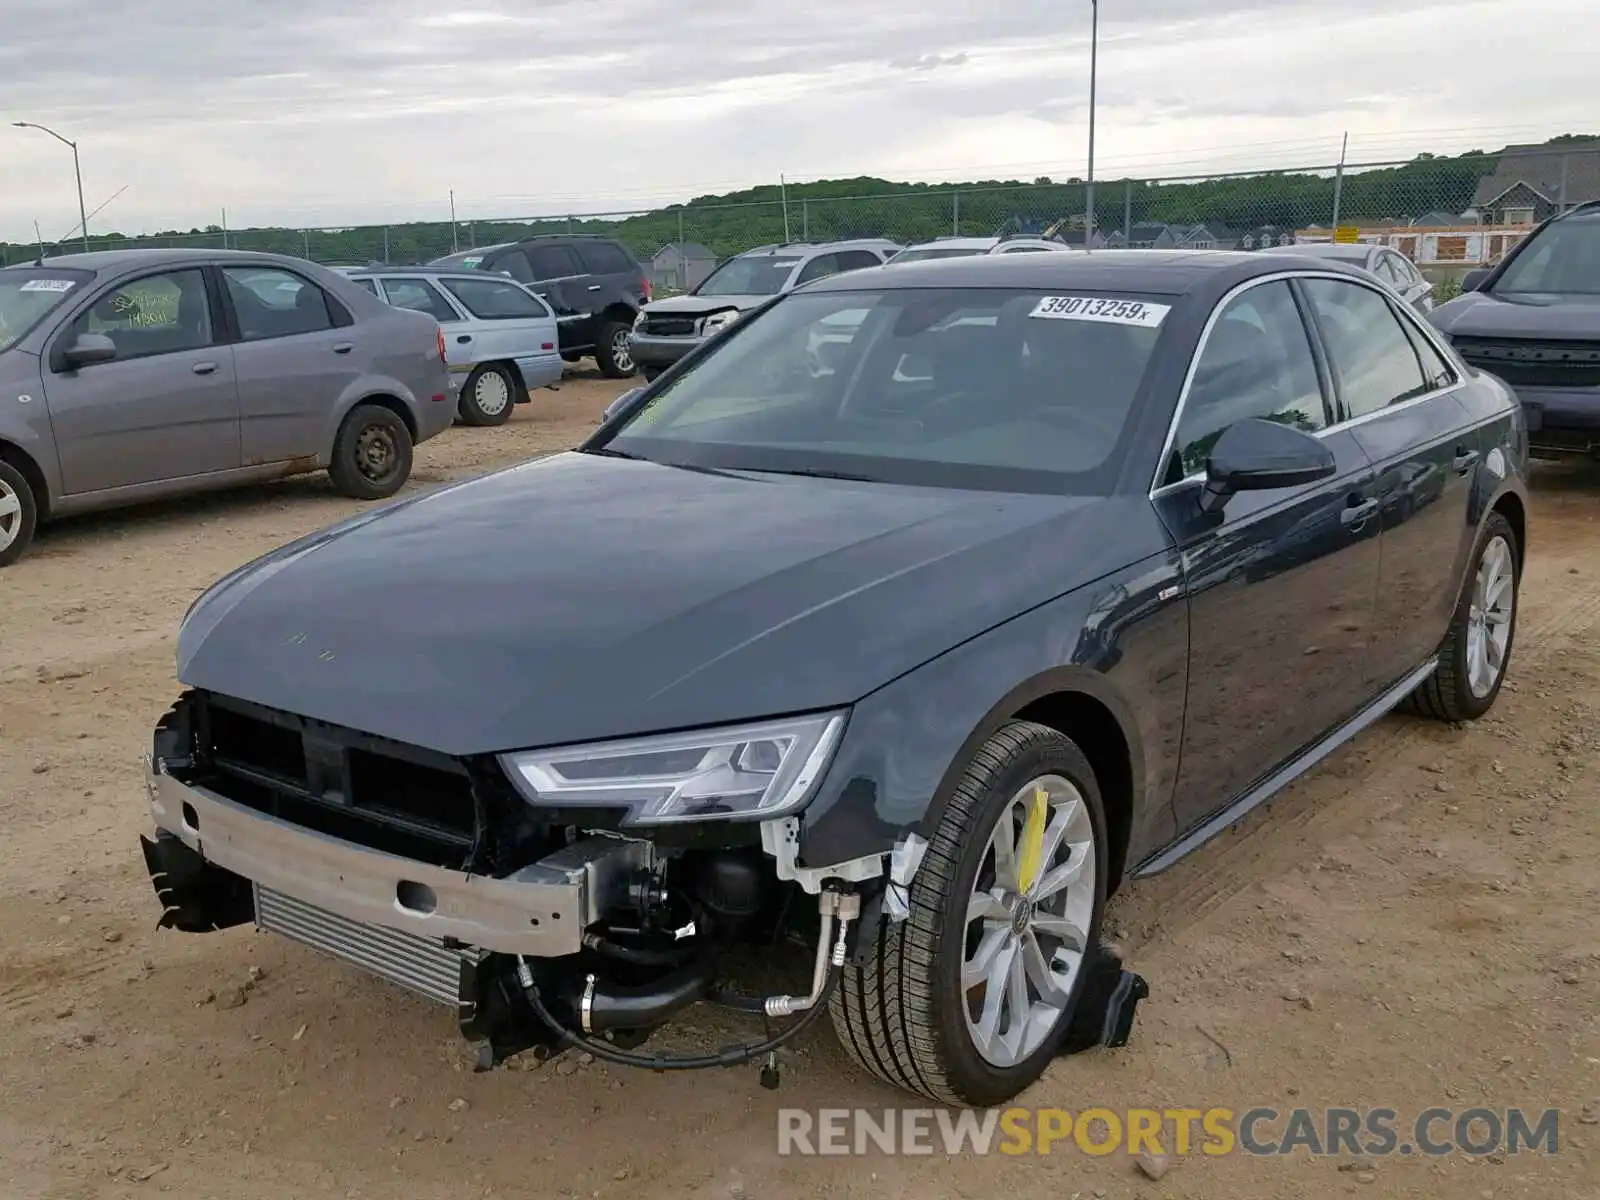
[
  {"x": 622, "y": 352},
  {"x": 10, "y": 515},
  {"x": 1028, "y": 918},
  {"x": 1494, "y": 598}
]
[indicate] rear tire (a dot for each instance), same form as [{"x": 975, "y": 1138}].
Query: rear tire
[
  {"x": 19, "y": 514},
  {"x": 488, "y": 395},
  {"x": 371, "y": 454},
  {"x": 1477, "y": 648},
  {"x": 612, "y": 352},
  {"x": 908, "y": 1016}
]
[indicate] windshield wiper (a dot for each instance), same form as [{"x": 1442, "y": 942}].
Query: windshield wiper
[
  {"x": 608, "y": 452},
  {"x": 807, "y": 473}
]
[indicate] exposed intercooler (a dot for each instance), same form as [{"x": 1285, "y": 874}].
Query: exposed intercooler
[{"x": 422, "y": 965}]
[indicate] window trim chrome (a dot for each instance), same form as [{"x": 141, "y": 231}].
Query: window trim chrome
[{"x": 1445, "y": 352}]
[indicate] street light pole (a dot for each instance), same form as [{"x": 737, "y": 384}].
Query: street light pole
[
  {"x": 1094, "y": 54},
  {"x": 77, "y": 171}
]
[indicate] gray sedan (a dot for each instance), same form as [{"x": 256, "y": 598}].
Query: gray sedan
[
  {"x": 135, "y": 374},
  {"x": 1392, "y": 267}
]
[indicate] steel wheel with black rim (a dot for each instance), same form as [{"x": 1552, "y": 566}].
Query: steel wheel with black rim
[
  {"x": 1477, "y": 649},
  {"x": 488, "y": 395},
  {"x": 967, "y": 1000},
  {"x": 614, "y": 350},
  {"x": 372, "y": 454},
  {"x": 19, "y": 513}
]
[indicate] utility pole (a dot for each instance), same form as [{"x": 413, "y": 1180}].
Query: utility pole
[
  {"x": 1094, "y": 54},
  {"x": 1338, "y": 182},
  {"x": 455, "y": 243},
  {"x": 783, "y": 190}
]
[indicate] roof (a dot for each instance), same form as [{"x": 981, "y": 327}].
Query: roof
[
  {"x": 1343, "y": 251},
  {"x": 428, "y": 269},
  {"x": 1162, "y": 272},
  {"x": 803, "y": 248},
  {"x": 687, "y": 250},
  {"x": 1540, "y": 168},
  {"x": 104, "y": 260},
  {"x": 957, "y": 243}
]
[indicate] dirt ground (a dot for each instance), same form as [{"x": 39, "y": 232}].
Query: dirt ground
[{"x": 1413, "y": 925}]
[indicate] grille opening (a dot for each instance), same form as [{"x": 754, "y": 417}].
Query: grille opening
[
  {"x": 434, "y": 847},
  {"x": 412, "y": 792},
  {"x": 1531, "y": 363},
  {"x": 260, "y": 745}
]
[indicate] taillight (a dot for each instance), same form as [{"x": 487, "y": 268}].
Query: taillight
[
  {"x": 441, "y": 345},
  {"x": 649, "y": 292}
]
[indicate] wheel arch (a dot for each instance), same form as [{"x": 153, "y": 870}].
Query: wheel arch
[
  {"x": 1513, "y": 509},
  {"x": 618, "y": 311},
  {"x": 30, "y": 470},
  {"x": 1083, "y": 705},
  {"x": 384, "y": 400}
]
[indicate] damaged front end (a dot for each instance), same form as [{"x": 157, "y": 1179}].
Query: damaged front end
[{"x": 545, "y": 924}]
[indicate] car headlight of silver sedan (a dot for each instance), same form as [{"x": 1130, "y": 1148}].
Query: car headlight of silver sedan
[
  {"x": 638, "y": 322},
  {"x": 751, "y": 772}
]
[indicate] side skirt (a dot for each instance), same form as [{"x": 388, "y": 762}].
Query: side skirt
[{"x": 1284, "y": 775}]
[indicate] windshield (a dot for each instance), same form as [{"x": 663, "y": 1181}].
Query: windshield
[
  {"x": 986, "y": 387},
  {"x": 471, "y": 260},
  {"x": 754, "y": 276},
  {"x": 924, "y": 252},
  {"x": 28, "y": 294},
  {"x": 1564, "y": 259}
]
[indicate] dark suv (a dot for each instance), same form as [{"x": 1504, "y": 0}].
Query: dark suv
[
  {"x": 1534, "y": 321},
  {"x": 594, "y": 284}
]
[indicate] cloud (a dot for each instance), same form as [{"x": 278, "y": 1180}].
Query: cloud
[{"x": 369, "y": 110}]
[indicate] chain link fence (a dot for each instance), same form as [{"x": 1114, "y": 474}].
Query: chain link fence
[{"x": 1452, "y": 213}]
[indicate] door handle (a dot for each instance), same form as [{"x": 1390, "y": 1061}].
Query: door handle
[
  {"x": 1356, "y": 515},
  {"x": 1463, "y": 461},
  {"x": 594, "y": 287},
  {"x": 463, "y": 338},
  {"x": 203, "y": 368},
  {"x": 344, "y": 347}
]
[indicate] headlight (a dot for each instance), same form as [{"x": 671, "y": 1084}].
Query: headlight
[
  {"x": 740, "y": 772},
  {"x": 638, "y": 322},
  {"x": 717, "y": 322}
]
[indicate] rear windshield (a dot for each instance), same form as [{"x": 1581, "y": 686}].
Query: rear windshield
[
  {"x": 984, "y": 387},
  {"x": 471, "y": 260},
  {"x": 759, "y": 276},
  {"x": 29, "y": 294},
  {"x": 1562, "y": 260},
  {"x": 926, "y": 252}
]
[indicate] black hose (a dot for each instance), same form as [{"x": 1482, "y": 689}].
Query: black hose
[
  {"x": 731, "y": 1057},
  {"x": 638, "y": 955}
]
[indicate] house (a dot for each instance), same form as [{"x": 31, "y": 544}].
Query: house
[
  {"x": 1437, "y": 220},
  {"x": 1208, "y": 236},
  {"x": 1530, "y": 183},
  {"x": 1263, "y": 237},
  {"x": 679, "y": 266},
  {"x": 1146, "y": 235}
]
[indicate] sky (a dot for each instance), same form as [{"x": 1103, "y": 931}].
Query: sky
[{"x": 364, "y": 111}]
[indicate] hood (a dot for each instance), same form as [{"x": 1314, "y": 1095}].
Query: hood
[
  {"x": 1524, "y": 315},
  {"x": 581, "y": 597},
  {"x": 698, "y": 306}
]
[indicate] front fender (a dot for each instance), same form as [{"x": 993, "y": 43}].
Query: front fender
[
  {"x": 1122, "y": 640},
  {"x": 25, "y": 419}
]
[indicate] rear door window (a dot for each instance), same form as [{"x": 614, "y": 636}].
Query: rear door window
[
  {"x": 607, "y": 258},
  {"x": 419, "y": 295},
  {"x": 1371, "y": 356},
  {"x": 270, "y": 302}
]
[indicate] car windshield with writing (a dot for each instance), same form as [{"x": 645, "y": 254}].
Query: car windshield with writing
[
  {"x": 29, "y": 294},
  {"x": 756, "y": 276},
  {"x": 989, "y": 388}
]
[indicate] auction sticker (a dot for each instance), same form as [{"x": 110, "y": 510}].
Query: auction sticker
[
  {"x": 48, "y": 285},
  {"x": 1100, "y": 308}
]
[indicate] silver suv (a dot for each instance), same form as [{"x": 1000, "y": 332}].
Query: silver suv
[
  {"x": 667, "y": 330},
  {"x": 135, "y": 374}
]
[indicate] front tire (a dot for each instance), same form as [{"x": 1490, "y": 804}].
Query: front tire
[
  {"x": 19, "y": 514},
  {"x": 488, "y": 395},
  {"x": 613, "y": 352},
  {"x": 371, "y": 454},
  {"x": 1477, "y": 648},
  {"x": 967, "y": 1000}
]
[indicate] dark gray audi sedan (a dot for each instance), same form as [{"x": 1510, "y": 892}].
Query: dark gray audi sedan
[
  {"x": 134, "y": 374},
  {"x": 913, "y": 614}
]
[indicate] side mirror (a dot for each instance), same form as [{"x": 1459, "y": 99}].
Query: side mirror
[
  {"x": 1256, "y": 456},
  {"x": 88, "y": 349},
  {"x": 1473, "y": 280},
  {"x": 619, "y": 404}
]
